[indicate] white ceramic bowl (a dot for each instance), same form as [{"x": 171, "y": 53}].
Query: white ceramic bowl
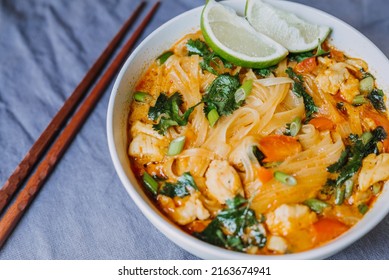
[{"x": 343, "y": 36}]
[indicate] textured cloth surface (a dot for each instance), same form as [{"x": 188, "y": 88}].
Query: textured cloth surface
[{"x": 83, "y": 212}]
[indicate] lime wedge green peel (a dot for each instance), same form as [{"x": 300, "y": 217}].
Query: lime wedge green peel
[
  {"x": 295, "y": 34},
  {"x": 234, "y": 39}
]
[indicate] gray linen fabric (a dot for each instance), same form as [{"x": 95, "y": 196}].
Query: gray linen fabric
[{"x": 83, "y": 212}]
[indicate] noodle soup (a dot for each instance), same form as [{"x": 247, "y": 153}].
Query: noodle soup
[{"x": 263, "y": 161}]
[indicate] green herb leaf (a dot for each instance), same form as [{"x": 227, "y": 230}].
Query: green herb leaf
[
  {"x": 232, "y": 224},
  {"x": 299, "y": 90},
  {"x": 265, "y": 72},
  {"x": 300, "y": 56},
  {"x": 201, "y": 48},
  {"x": 335, "y": 167},
  {"x": 376, "y": 98},
  {"x": 167, "y": 110},
  {"x": 351, "y": 159},
  {"x": 258, "y": 154},
  {"x": 180, "y": 189},
  {"x": 220, "y": 95}
]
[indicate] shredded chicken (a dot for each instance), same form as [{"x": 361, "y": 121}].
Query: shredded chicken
[
  {"x": 374, "y": 169},
  {"x": 337, "y": 78}
]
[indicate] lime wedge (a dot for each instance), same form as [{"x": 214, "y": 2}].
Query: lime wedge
[
  {"x": 293, "y": 33},
  {"x": 234, "y": 39}
]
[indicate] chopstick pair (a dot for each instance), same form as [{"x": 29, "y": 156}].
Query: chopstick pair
[{"x": 16, "y": 210}]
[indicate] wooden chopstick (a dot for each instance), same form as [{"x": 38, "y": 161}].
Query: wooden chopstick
[
  {"x": 26, "y": 196},
  {"x": 41, "y": 144}
]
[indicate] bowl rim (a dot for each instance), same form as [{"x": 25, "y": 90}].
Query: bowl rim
[{"x": 186, "y": 241}]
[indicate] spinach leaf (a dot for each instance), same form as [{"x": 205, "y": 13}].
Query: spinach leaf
[
  {"x": 181, "y": 189},
  {"x": 230, "y": 227},
  {"x": 350, "y": 160},
  {"x": 220, "y": 95},
  {"x": 341, "y": 161},
  {"x": 210, "y": 58},
  {"x": 376, "y": 98},
  {"x": 167, "y": 110},
  {"x": 258, "y": 154},
  {"x": 299, "y": 90}
]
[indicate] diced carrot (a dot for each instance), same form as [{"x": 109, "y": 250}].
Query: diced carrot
[
  {"x": 322, "y": 123},
  {"x": 379, "y": 120},
  {"x": 279, "y": 147},
  {"x": 306, "y": 66},
  {"x": 327, "y": 229},
  {"x": 264, "y": 174}
]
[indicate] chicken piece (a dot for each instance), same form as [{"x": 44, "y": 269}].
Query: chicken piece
[
  {"x": 139, "y": 127},
  {"x": 184, "y": 210},
  {"x": 147, "y": 143},
  {"x": 288, "y": 219},
  {"x": 337, "y": 78},
  {"x": 374, "y": 169},
  {"x": 344, "y": 213},
  {"x": 325, "y": 61},
  {"x": 223, "y": 181},
  {"x": 356, "y": 64},
  {"x": 146, "y": 147},
  {"x": 277, "y": 244},
  {"x": 349, "y": 89},
  {"x": 332, "y": 78}
]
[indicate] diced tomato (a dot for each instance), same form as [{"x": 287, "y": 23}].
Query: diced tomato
[
  {"x": 279, "y": 147},
  {"x": 322, "y": 123},
  {"x": 264, "y": 174},
  {"x": 306, "y": 66},
  {"x": 327, "y": 229}
]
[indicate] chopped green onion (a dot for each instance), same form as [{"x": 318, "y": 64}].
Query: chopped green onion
[
  {"x": 339, "y": 195},
  {"x": 295, "y": 126},
  {"x": 285, "y": 178},
  {"x": 163, "y": 57},
  {"x": 363, "y": 208},
  {"x": 359, "y": 100},
  {"x": 316, "y": 205},
  {"x": 212, "y": 117},
  {"x": 176, "y": 146},
  {"x": 366, "y": 85},
  {"x": 348, "y": 188},
  {"x": 150, "y": 183},
  {"x": 141, "y": 96},
  {"x": 366, "y": 137},
  {"x": 376, "y": 188},
  {"x": 243, "y": 91}
]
